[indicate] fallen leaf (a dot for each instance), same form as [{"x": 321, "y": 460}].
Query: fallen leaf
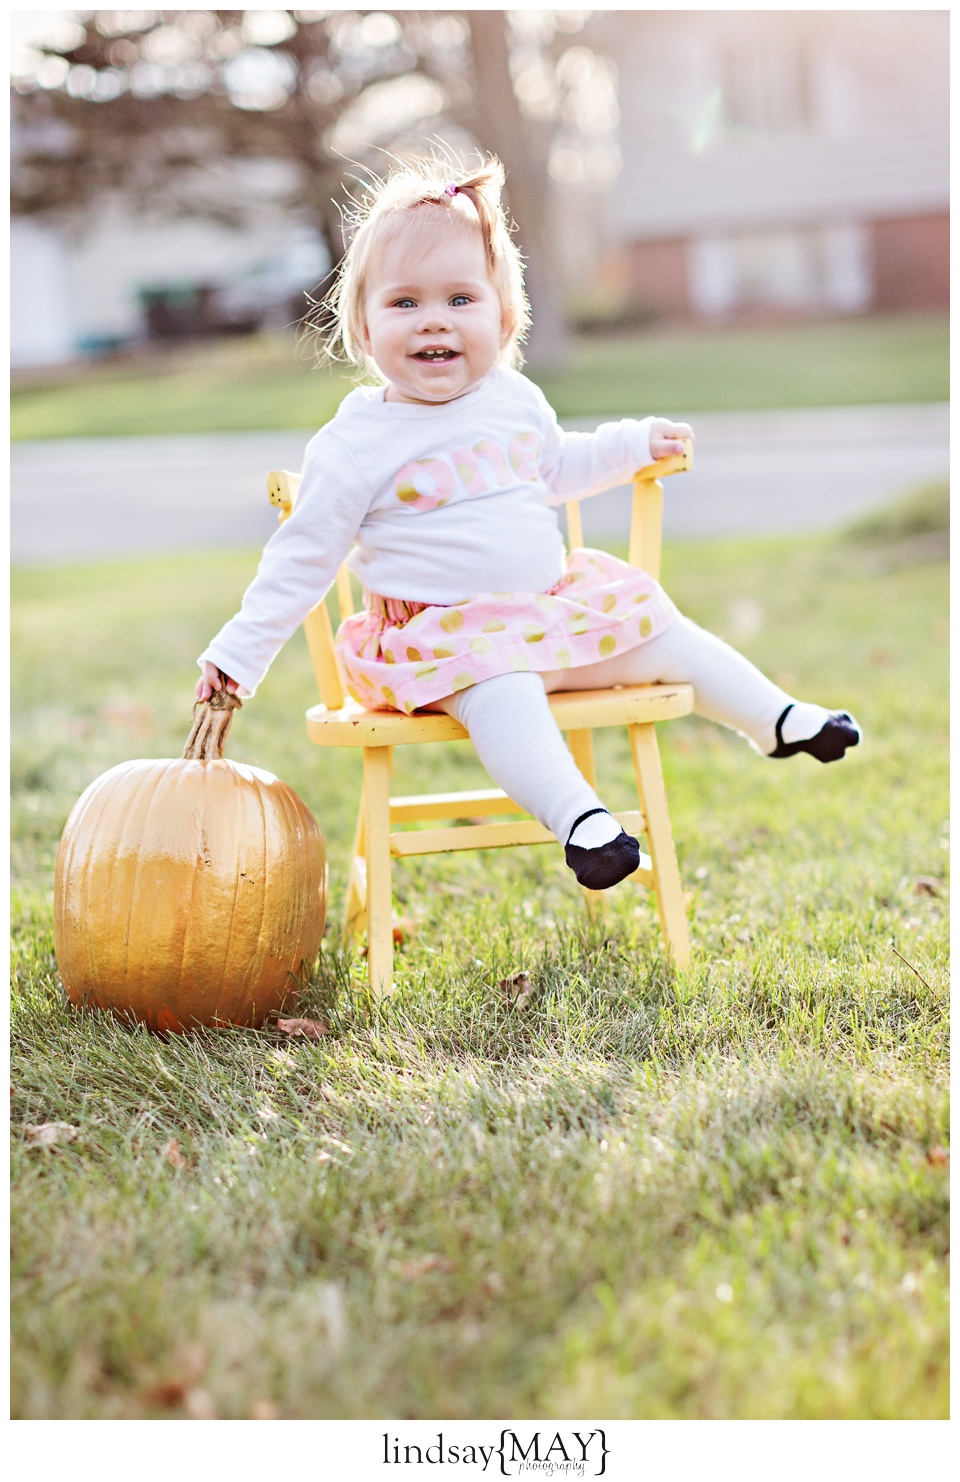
[
  {"x": 304, "y": 1028},
  {"x": 49, "y": 1134},
  {"x": 174, "y": 1156},
  {"x": 191, "y": 1362},
  {"x": 518, "y": 989},
  {"x": 169, "y": 1394},
  {"x": 926, "y": 885},
  {"x": 938, "y": 1156},
  {"x": 426, "y": 1265},
  {"x": 404, "y": 930}
]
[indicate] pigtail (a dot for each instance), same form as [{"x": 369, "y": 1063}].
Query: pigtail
[{"x": 483, "y": 191}]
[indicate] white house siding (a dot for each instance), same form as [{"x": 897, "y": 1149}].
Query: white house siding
[
  {"x": 873, "y": 142},
  {"x": 41, "y": 307},
  {"x": 121, "y": 254}
]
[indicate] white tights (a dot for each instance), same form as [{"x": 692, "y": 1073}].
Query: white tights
[{"x": 520, "y": 746}]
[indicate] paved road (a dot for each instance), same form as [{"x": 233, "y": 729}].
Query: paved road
[{"x": 756, "y": 472}]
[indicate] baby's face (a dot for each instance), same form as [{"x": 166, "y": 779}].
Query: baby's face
[{"x": 433, "y": 321}]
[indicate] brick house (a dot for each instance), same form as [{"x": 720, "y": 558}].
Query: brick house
[{"x": 779, "y": 162}]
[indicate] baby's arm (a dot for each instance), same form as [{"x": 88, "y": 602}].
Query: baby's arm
[
  {"x": 298, "y": 565},
  {"x": 576, "y": 465}
]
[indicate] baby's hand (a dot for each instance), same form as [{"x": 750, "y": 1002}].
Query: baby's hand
[
  {"x": 211, "y": 679},
  {"x": 668, "y": 437}
]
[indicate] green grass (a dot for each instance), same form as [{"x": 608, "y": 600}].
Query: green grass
[
  {"x": 262, "y": 383},
  {"x": 647, "y": 1195},
  {"x": 845, "y": 362}
]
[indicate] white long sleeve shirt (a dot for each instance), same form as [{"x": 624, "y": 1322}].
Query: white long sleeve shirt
[{"x": 439, "y": 503}]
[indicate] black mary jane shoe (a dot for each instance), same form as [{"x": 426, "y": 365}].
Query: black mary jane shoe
[
  {"x": 829, "y": 744},
  {"x": 605, "y": 865}
]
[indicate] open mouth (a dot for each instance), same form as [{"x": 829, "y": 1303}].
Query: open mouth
[{"x": 432, "y": 357}]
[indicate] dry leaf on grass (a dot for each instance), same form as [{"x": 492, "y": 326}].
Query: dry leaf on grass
[
  {"x": 49, "y": 1134},
  {"x": 518, "y": 989},
  {"x": 304, "y": 1028},
  {"x": 404, "y": 930},
  {"x": 926, "y": 885},
  {"x": 427, "y": 1265},
  {"x": 172, "y": 1394},
  {"x": 190, "y": 1361},
  {"x": 169, "y": 1394},
  {"x": 938, "y": 1156},
  {"x": 174, "y": 1156}
]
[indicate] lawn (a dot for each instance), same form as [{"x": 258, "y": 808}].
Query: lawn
[
  {"x": 237, "y": 385},
  {"x": 636, "y": 1194}
]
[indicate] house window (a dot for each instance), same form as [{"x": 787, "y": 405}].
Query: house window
[{"x": 801, "y": 269}]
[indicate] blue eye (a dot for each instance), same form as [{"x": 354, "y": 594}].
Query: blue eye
[
  {"x": 404, "y": 303},
  {"x": 460, "y": 298}
]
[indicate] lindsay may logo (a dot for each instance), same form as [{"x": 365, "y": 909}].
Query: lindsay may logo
[{"x": 562, "y": 1454}]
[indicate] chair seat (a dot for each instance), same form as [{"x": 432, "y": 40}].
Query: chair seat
[{"x": 573, "y": 710}]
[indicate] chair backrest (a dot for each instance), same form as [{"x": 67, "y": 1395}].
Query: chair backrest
[{"x": 646, "y": 530}]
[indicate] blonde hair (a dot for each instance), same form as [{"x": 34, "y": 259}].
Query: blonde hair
[{"x": 390, "y": 205}]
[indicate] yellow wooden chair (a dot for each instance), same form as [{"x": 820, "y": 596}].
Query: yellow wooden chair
[{"x": 339, "y": 721}]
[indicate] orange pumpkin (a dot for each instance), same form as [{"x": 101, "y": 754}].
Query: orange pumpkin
[{"x": 187, "y": 892}]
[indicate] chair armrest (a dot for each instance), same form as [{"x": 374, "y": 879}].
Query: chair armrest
[
  {"x": 673, "y": 463},
  {"x": 282, "y": 490}
]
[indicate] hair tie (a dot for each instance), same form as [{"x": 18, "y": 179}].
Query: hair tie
[{"x": 451, "y": 189}]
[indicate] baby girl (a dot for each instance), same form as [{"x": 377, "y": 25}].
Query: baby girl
[{"x": 442, "y": 477}]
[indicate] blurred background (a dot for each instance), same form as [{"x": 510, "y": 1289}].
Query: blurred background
[{"x": 725, "y": 213}]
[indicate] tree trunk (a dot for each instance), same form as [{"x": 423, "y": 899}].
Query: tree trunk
[{"x": 503, "y": 130}]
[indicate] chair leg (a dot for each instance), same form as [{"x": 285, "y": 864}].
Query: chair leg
[
  {"x": 376, "y": 805},
  {"x": 355, "y": 910},
  {"x": 663, "y": 855},
  {"x": 581, "y": 746}
]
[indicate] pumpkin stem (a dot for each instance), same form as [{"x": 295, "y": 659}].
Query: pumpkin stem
[{"x": 211, "y": 721}]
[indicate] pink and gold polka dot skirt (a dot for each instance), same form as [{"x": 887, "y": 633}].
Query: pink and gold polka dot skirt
[{"x": 400, "y": 655}]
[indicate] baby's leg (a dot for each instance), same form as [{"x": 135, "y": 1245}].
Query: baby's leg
[
  {"x": 727, "y": 688},
  {"x": 519, "y": 744}
]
